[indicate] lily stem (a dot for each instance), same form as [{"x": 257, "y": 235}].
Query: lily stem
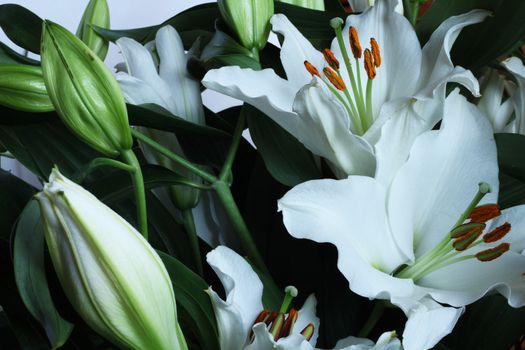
[
  {"x": 140, "y": 191},
  {"x": 83, "y": 172},
  {"x": 373, "y": 318},
  {"x": 189, "y": 226}
]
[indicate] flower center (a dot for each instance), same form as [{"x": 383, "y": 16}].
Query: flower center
[
  {"x": 461, "y": 240},
  {"x": 280, "y": 324},
  {"x": 359, "y": 104}
]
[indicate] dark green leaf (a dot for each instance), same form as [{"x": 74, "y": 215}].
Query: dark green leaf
[
  {"x": 511, "y": 191},
  {"x": 334, "y": 6},
  {"x": 285, "y": 157},
  {"x": 10, "y": 56},
  {"x": 31, "y": 276},
  {"x": 22, "y": 26},
  {"x": 511, "y": 160},
  {"x": 138, "y": 34},
  {"x": 195, "y": 311}
]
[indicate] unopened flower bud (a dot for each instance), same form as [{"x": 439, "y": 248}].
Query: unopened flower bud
[
  {"x": 95, "y": 14},
  {"x": 85, "y": 94},
  {"x": 250, "y": 20},
  {"x": 113, "y": 278}
]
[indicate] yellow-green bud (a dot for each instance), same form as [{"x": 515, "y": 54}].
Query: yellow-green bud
[
  {"x": 85, "y": 94},
  {"x": 249, "y": 19},
  {"x": 22, "y": 87},
  {"x": 95, "y": 14},
  {"x": 111, "y": 275},
  {"x": 309, "y": 4}
]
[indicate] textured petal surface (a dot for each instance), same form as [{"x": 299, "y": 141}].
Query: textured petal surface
[{"x": 516, "y": 67}]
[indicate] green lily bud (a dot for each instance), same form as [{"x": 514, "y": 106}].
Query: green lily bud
[
  {"x": 95, "y": 14},
  {"x": 249, "y": 19},
  {"x": 85, "y": 94},
  {"x": 22, "y": 87},
  {"x": 309, "y": 4},
  {"x": 111, "y": 275}
]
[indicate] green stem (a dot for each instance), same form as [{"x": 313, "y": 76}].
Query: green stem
[
  {"x": 140, "y": 191},
  {"x": 232, "y": 211},
  {"x": 174, "y": 157},
  {"x": 415, "y": 12},
  {"x": 373, "y": 318},
  {"x": 83, "y": 172},
  {"x": 189, "y": 226},
  {"x": 234, "y": 146}
]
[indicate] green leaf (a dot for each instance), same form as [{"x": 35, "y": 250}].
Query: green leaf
[
  {"x": 285, "y": 157},
  {"x": 10, "y": 56},
  {"x": 479, "y": 44},
  {"x": 195, "y": 311},
  {"x": 22, "y": 26},
  {"x": 31, "y": 279},
  {"x": 510, "y": 161}
]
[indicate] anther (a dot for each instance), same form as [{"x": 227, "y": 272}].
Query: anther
[
  {"x": 466, "y": 229},
  {"x": 311, "y": 69},
  {"x": 375, "y": 52},
  {"x": 464, "y": 241},
  {"x": 308, "y": 331},
  {"x": 334, "y": 78},
  {"x": 331, "y": 59},
  {"x": 369, "y": 65},
  {"x": 277, "y": 326},
  {"x": 289, "y": 323},
  {"x": 497, "y": 234},
  {"x": 263, "y": 316},
  {"x": 484, "y": 213},
  {"x": 355, "y": 45},
  {"x": 493, "y": 253}
]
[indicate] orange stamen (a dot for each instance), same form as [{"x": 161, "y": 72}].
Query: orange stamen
[
  {"x": 331, "y": 59},
  {"x": 311, "y": 69},
  {"x": 497, "y": 234},
  {"x": 262, "y": 316},
  {"x": 334, "y": 78},
  {"x": 289, "y": 323},
  {"x": 463, "y": 242},
  {"x": 484, "y": 213},
  {"x": 492, "y": 253},
  {"x": 369, "y": 65},
  {"x": 308, "y": 331},
  {"x": 375, "y": 52},
  {"x": 355, "y": 45}
]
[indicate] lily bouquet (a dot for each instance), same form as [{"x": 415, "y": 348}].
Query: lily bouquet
[{"x": 364, "y": 191}]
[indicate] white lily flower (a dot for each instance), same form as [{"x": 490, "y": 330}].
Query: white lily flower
[
  {"x": 352, "y": 121},
  {"x": 507, "y": 114},
  {"x": 361, "y": 5},
  {"x": 243, "y": 324},
  {"x": 411, "y": 242}
]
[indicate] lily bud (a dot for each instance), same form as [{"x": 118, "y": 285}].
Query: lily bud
[
  {"x": 22, "y": 87},
  {"x": 95, "y": 14},
  {"x": 85, "y": 94},
  {"x": 309, "y": 4},
  {"x": 111, "y": 275},
  {"x": 250, "y": 20}
]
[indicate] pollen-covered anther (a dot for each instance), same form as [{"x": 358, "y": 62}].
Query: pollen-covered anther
[
  {"x": 311, "y": 69},
  {"x": 334, "y": 78},
  {"x": 497, "y": 234},
  {"x": 464, "y": 241},
  {"x": 493, "y": 253},
  {"x": 369, "y": 65},
  {"x": 375, "y": 52},
  {"x": 331, "y": 59},
  {"x": 289, "y": 323},
  {"x": 308, "y": 331},
  {"x": 484, "y": 213},
  {"x": 355, "y": 45},
  {"x": 465, "y": 229},
  {"x": 263, "y": 316}
]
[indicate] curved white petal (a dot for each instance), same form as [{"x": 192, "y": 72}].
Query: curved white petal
[
  {"x": 263, "y": 89},
  {"x": 243, "y": 288},
  {"x": 400, "y": 51},
  {"x": 344, "y": 213},
  {"x": 516, "y": 67},
  {"x": 387, "y": 341},
  {"x": 307, "y": 315},
  {"x": 437, "y": 67},
  {"x": 138, "y": 92},
  {"x": 324, "y": 131},
  {"x": 294, "y": 51},
  {"x": 493, "y": 103},
  {"x": 441, "y": 177},
  {"x": 428, "y": 324},
  {"x": 185, "y": 91}
]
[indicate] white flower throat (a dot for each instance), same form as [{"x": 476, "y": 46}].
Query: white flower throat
[
  {"x": 358, "y": 106},
  {"x": 462, "y": 238}
]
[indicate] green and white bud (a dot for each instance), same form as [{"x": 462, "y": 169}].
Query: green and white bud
[
  {"x": 309, "y": 4},
  {"x": 22, "y": 87},
  {"x": 84, "y": 92},
  {"x": 95, "y": 14},
  {"x": 111, "y": 275},
  {"x": 249, "y": 19}
]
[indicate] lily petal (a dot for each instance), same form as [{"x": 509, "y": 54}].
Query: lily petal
[
  {"x": 493, "y": 103},
  {"x": 307, "y": 315},
  {"x": 138, "y": 92},
  {"x": 516, "y": 67},
  {"x": 325, "y": 132},
  {"x": 436, "y": 177},
  {"x": 243, "y": 289}
]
